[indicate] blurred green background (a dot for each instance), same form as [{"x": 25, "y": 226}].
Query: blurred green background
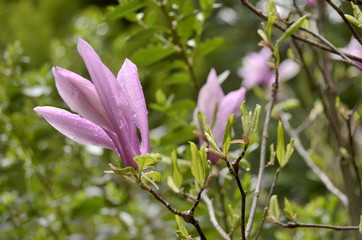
[{"x": 53, "y": 188}]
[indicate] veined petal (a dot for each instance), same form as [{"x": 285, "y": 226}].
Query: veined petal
[
  {"x": 129, "y": 81},
  {"x": 81, "y": 96},
  {"x": 229, "y": 105},
  {"x": 113, "y": 101},
  {"x": 210, "y": 95},
  {"x": 75, "y": 127}
]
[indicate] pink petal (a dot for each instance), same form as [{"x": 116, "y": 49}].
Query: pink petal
[
  {"x": 288, "y": 69},
  {"x": 81, "y": 96},
  {"x": 229, "y": 105},
  {"x": 113, "y": 100},
  {"x": 255, "y": 69},
  {"x": 310, "y": 3},
  {"x": 209, "y": 95},
  {"x": 354, "y": 48},
  {"x": 76, "y": 128},
  {"x": 129, "y": 81}
]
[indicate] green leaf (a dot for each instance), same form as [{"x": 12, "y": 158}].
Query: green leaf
[
  {"x": 184, "y": 28},
  {"x": 227, "y": 134},
  {"x": 198, "y": 166},
  {"x": 124, "y": 171},
  {"x": 210, "y": 45},
  {"x": 263, "y": 35},
  {"x": 176, "y": 173},
  {"x": 289, "y": 152},
  {"x": 353, "y": 20},
  {"x": 272, "y": 16},
  {"x": 288, "y": 209},
  {"x": 360, "y": 224},
  {"x": 178, "y": 78},
  {"x": 255, "y": 119},
  {"x": 245, "y": 120},
  {"x": 155, "y": 176},
  {"x": 280, "y": 144},
  {"x": 202, "y": 121},
  {"x": 288, "y": 104},
  {"x": 233, "y": 216},
  {"x": 211, "y": 140},
  {"x": 245, "y": 164},
  {"x": 146, "y": 160},
  {"x": 151, "y": 54},
  {"x": 274, "y": 209},
  {"x": 152, "y": 177},
  {"x": 207, "y": 7},
  {"x": 203, "y": 158},
  {"x": 357, "y": 12},
  {"x": 181, "y": 226},
  {"x": 124, "y": 9},
  {"x": 206, "y": 4},
  {"x": 292, "y": 28},
  {"x": 272, "y": 154},
  {"x": 160, "y": 96}
]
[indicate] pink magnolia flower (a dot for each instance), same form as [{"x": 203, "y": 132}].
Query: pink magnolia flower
[
  {"x": 256, "y": 70},
  {"x": 354, "y": 48},
  {"x": 310, "y": 3},
  {"x": 110, "y": 109},
  {"x": 217, "y": 107}
]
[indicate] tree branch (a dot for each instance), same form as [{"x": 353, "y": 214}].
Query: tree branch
[
  {"x": 348, "y": 23},
  {"x": 308, "y": 160},
  {"x": 213, "y": 219},
  {"x": 266, "y": 208},
  {"x": 327, "y": 46},
  {"x": 306, "y": 225},
  {"x": 262, "y": 155},
  {"x": 188, "y": 216}
]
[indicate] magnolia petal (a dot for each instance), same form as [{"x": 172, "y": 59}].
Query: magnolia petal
[
  {"x": 130, "y": 83},
  {"x": 75, "y": 127},
  {"x": 210, "y": 95},
  {"x": 353, "y": 48},
  {"x": 112, "y": 99},
  {"x": 255, "y": 69},
  {"x": 81, "y": 96},
  {"x": 229, "y": 105},
  {"x": 288, "y": 69},
  {"x": 311, "y": 3}
]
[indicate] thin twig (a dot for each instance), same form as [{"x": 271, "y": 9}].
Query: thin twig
[
  {"x": 234, "y": 170},
  {"x": 330, "y": 113},
  {"x": 188, "y": 216},
  {"x": 243, "y": 197},
  {"x": 198, "y": 198},
  {"x": 308, "y": 160},
  {"x": 266, "y": 208},
  {"x": 348, "y": 23},
  {"x": 262, "y": 155},
  {"x": 336, "y": 126},
  {"x": 297, "y": 8},
  {"x": 213, "y": 219},
  {"x": 221, "y": 193},
  {"x": 327, "y": 46},
  {"x": 306, "y": 225},
  {"x": 353, "y": 154}
]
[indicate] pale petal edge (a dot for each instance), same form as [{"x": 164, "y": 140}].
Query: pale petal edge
[
  {"x": 129, "y": 81},
  {"x": 75, "y": 127}
]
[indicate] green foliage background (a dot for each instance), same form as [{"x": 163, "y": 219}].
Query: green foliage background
[{"x": 53, "y": 188}]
